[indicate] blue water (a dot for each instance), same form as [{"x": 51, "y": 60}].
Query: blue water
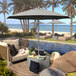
[
  {"x": 53, "y": 47},
  {"x": 47, "y": 27}
]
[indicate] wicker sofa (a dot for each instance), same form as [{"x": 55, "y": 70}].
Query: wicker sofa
[{"x": 5, "y": 52}]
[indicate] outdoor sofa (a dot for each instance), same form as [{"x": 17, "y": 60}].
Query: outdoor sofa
[
  {"x": 5, "y": 50},
  {"x": 47, "y": 35}
]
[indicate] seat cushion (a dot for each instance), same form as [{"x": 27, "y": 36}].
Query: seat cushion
[
  {"x": 34, "y": 67},
  {"x": 19, "y": 57}
]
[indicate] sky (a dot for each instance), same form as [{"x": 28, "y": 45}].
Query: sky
[{"x": 15, "y": 21}]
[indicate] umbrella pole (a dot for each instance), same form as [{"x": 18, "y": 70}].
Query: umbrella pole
[{"x": 38, "y": 38}]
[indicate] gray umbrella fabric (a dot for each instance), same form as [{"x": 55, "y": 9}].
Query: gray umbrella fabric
[
  {"x": 66, "y": 63},
  {"x": 38, "y": 13},
  {"x": 56, "y": 22}
]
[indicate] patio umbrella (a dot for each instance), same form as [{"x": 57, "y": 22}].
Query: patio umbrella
[
  {"x": 36, "y": 22},
  {"x": 37, "y": 14},
  {"x": 74, "y": 22},
  {"x": 56, "y": 22}
]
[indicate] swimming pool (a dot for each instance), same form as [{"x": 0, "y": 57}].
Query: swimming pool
[{"x": 53, "y": 46}]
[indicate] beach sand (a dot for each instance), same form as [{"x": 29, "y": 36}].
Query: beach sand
[{"x": 20, "y": 30}]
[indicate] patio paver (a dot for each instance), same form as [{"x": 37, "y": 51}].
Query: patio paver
[{"x": 21, "y": 69}]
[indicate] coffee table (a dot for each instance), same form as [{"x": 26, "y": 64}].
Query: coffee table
[{"x": 44, "y": 62}]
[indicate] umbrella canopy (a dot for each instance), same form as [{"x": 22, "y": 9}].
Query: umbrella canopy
[
  {"x": 36, "y": 22},
  {"x": 56, "y": 22},
  {"x": 74, "y": 22},
  {"x": 38, "y": 13},
  {"x": 66, "y": 63}
]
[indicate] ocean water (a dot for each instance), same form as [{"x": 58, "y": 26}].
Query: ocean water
[{"x": 47, "y": 27}]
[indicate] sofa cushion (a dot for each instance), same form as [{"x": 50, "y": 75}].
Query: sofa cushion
[
  {"x": 34, "y": 67},
  {"x": 13, "y": 42},
  {"x": 12, "y": 49},
  {"x": 19, "y": 56}
]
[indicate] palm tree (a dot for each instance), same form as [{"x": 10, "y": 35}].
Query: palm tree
[
  {"x": 69, "y": 8},
  {"x": 23, "y": 5},
  {"x": 4, "y": 9},
  {"x": 20, "y": 6},
  {"x": 54, "y": 4}
]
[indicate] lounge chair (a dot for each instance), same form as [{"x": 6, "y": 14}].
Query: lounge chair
[
  {"x": 45, "y": 36},
  {"x": 64, "y": 38}
]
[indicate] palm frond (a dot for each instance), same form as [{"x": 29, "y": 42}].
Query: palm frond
[
  {"x": 1, "y": 12},
  {"x": 0, "y": 3},
  {"x": 10, "y": 4}
]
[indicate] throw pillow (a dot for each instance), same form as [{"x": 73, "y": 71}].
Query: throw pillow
[{"x": 12, "y": 49}]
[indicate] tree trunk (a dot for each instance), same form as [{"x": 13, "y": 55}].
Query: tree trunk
[
  {"x": 22, "y": 26},
  {"x": 71, "y": 21},
  {"x": 71, "y": 26},
  {"x": 4, "y": 19},
  {"x": 53, "y": 20},
  {"x": 28, "y": 25},
  {"x": 34, "y": 24},
  {"x": 36, "y": 27}
]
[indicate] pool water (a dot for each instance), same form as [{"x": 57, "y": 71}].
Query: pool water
[{"x": 53, "y": 47}]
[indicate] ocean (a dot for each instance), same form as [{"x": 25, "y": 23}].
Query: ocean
[{"x": 47, "y": 27}]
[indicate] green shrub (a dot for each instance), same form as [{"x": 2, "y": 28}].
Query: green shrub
[
  {"x": 5, "y": 35},
  {"x": 4, "y": 71},
  {"x": 75, "y": 35},
  {"x": 71, "y": 74},
  {"x": 16, "y": 34},
  {"x": 21, "y": 34},
  {"x": 33, "y": 30},
  {"x": 3, "y": 28},
  {"x": 31, "y": 50}
]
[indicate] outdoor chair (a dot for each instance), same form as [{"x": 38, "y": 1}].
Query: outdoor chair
[{"x": 5, "y": 51}]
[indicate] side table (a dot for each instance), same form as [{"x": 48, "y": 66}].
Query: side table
[{"x": 44, "y": 63}]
